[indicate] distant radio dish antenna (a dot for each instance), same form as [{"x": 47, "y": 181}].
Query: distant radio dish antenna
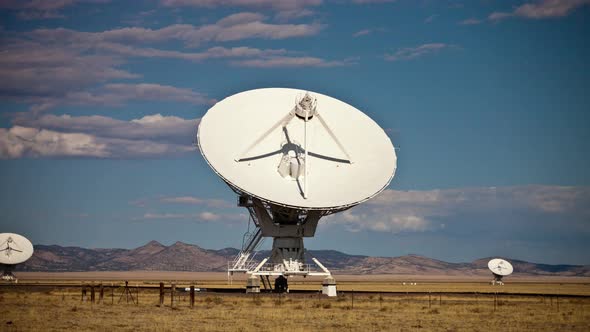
[
  {"x": 14, "y": 249},
  {"x": 293, "y": 156},
  {"x": 500, "y": 268}
]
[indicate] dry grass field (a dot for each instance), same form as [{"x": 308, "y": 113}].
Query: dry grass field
[{"x": 32, "y": 307}]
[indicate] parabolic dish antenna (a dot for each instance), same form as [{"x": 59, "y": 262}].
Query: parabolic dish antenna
[
  {"x": 500, "y": 268},
  {"x": 260, "y": 143},
  {"x": 293, "y": 156},
  {"x": 14, "y": 249}
]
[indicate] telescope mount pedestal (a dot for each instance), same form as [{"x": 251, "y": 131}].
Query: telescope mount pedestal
[{"x": 287, "y": 227}]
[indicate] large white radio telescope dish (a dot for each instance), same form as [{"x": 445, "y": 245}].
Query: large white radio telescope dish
[
  {"x": 14, "y": 249},
  {"x": 259, "y": 142},
  {"x": 293, "y": 156}
]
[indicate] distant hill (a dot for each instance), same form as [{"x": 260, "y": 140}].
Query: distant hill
[{"x": 180, "y": 256}]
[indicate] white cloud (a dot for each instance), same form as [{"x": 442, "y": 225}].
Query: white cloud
[
  {"x": 98, "y": 137},
  {"x": 284, "y": 9},
  {"x": 234, "y": 27},
  {"x": 211, "y": 53},
  {"x": 209, "y": 216},
  {"x": 362, "y": 32},
  {"x": 190, "y": 200},
  {"x": 165, "y": 216},
  {"x": 417, "y": 211},
  {"x": 541, "y": 9},
  {"x": 52, "y": 67},
  {"x": 291, "y": 61},
  {"x": 22, "y": 141},
  {"x": 470, "y": 21},
  {"x": 201, "y": 216},
  {"x": 274, "y": 4},
  {"x": 372, "y": 1},
  {"x": 430, "y": 18},
  {"x": 155, "y": 127},
  {"x": 118, "y": 94},
  {"x": 29, "y": 68},
  {"x": 39, "y": 9},
  {"x": 409, "y": 53}
]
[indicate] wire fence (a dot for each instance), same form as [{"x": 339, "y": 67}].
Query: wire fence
[{"x": 171, "y": 295}]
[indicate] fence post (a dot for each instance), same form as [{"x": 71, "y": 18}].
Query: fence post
[
  {"x": 100, "y": 293},
  {"x": 172, "y": 290},
  {"x": 192, "y": 296},
  {"x": 137, "y": 294},
  {"x": 161, "y": 294},
  {"x": 92, "y": 293},
  {"x": 83, "y": 293},
  {"x": 429, "y": 300},
  {"x": 352, "y": 300},
  {"x": 112, "y": 293}
]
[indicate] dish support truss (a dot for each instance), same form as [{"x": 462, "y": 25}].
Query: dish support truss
[
  {"x": 287, "y": 226},
  {"x": 7, "y": 273},
  {"x": 497, "y": 279}
]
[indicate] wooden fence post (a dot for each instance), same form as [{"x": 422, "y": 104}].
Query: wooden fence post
[
  {"x": 92, "y": 297},
  {"x": 161, "y": 294},
  {"x": 83, "y": 293},
  {"x": 192, "y": 296},
  {"x": 100, "y": 293},
  {"x": 172, "y": 291}
]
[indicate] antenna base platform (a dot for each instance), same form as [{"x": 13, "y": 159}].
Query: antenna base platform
[{"x": 7, "y": 273}]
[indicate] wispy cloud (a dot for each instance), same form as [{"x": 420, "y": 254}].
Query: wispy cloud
[
  {"x": 291, "y": 4},
  {"x": 191, "y": 200},
  {"x": 52, "y": 67},
  {"x": 470, "y": 21},
  {"x": 201, "y": 216},
  {"x": 35, "y": 9},
  {"x": 234, "y": 27},
  {"x": 363, "y": 32},
  {"x": 292, "y": 61},
  {"x": 409, "y": 53},
  {"x": 284, "y": 9},
  {"x": 372, "y": 1},
  {"x": 536, "y": 208},
  {"x": 541, "y": 9},
  {"x": 118, "y": 94},
  {"x": 29, "y": 68},
  {"x": 430, "y": 18},
  {"x": 98, "y": 137}
]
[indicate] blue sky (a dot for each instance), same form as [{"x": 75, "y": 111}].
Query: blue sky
[{"x": 487, "y": 102}]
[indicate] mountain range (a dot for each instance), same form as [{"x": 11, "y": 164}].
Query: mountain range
[{"x": 180, "y": 256}]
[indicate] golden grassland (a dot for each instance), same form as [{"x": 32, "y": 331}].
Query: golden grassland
[{"x": 35, "y": 308}]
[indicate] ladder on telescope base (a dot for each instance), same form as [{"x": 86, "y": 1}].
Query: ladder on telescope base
[{"x": 266, "y": 282}]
